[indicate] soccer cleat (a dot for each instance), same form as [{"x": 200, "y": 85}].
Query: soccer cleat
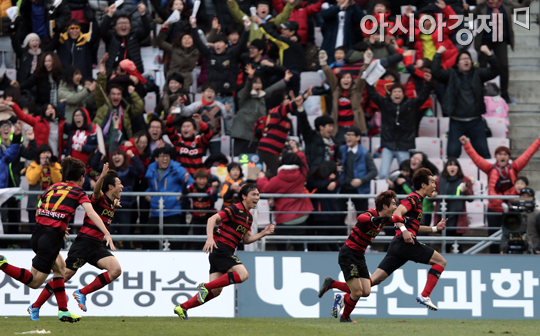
[
  {"x": 325, "y": 287},
  {"x": 81, "y": 299},
  {"x": 202, "y": 293},
  {"x": 66, "y": 316},
  {"x": 426, "y": 301},
  {"x": 3, "y": 260},
  {"x": 338, "y": 305},
  {"x": 346, "y": 319},
  {"x": 34, "y": 313},
  {"x": 181, "y": 312}
]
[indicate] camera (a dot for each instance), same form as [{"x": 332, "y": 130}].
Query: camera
[{"x": 514, "y": 225}]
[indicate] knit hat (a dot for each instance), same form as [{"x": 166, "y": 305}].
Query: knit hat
[
  {"x": 129, "y": 67},
  {"x": 503, "y": 149},
  {"x": 29, "y": 37}
]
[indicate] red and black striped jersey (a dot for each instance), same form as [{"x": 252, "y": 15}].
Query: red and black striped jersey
[
  {"x": 202, "y": 203},
  {"x": 413, "y": 204},
  {"x": 190, "y": 152},
  {"x": 345, "y": 112},
  {"x": 236, "y": 221},
  {"x": 58, "y": 204},
  {"x": 104, "y": 207},
  {"x": 365, "y": 231},
  {"x": 277, "y": 129}
]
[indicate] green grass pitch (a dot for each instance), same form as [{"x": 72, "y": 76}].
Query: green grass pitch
[{"x": 154, "y": 326}]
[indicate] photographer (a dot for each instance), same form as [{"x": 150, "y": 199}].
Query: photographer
[{"x": 43, "y": 172}]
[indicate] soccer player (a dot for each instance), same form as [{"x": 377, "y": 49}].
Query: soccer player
[
  {"x": 225, "y": 268},
  {"x": 88, "y": 246},
  {"x": 351, "y": 256},
  {"x": 57, "y": 207},
  {"x": 405, "y": 247}
]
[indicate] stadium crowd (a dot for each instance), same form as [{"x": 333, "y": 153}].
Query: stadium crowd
[{"x": 234, "y": 73}]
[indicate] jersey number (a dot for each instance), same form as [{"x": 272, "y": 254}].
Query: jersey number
[{"x": 64, "y": 194}]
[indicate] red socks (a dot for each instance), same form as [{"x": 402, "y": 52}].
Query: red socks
[
  {"x": 342, "y": 286},
  {"x": 44, "y": 296},
  {"x": 224, "y": 280},
  {"x": 99, "y": 282},
  {"x": 349, "y": 306},
  {"x": 433, "y": 276},
  {"x": 19, "y": 274},
  {"x": 59, "y": 289},
  {"x": 194, "y": 302}
]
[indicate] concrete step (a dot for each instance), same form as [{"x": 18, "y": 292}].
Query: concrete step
[
  {"x": 532, "y": 74},
  {"x": 527, "y": 40},
  {"x": 524, "y": 61},
  {"x": 516, "y": 132},
  {"x": 524, "y": 119},
  {"x": 524, "y": 51},
  {"x": 534, "y": 29},
  {"x": 520, "y": 145},
  {"x": 525, "y": 97},
  {"x": 519, "y": 108}
]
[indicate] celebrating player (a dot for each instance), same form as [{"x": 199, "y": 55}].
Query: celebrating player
[
  {"x": 88, "y": 246},
  {"x": 57, "y": 207},
  {"x": 405, "y": 247},
  {"x": 352, "y": 259},
  {"x": 225, "y": 268}
]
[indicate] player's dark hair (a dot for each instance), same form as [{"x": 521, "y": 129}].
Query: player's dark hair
[
  {"x": 384, "y": 198},
  {"x": 109, "y": 180},
  {"x": 72, "y": 169},
  {"x": 246, "y": 189},
  {"x": 421, "y": 176},
  {"x": 522, "y": 178},
  {"x": 200, "y": 173},
  {"x": 454, "y": 162}
]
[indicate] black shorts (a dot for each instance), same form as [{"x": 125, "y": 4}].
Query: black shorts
[
  {"x": 85, "y": 250},
  {"x": 353, "y": 263},
  {"x": 399, "y": 252},
  {"x": 222, "y": 259},
  {"x": 47, "y": 244}
]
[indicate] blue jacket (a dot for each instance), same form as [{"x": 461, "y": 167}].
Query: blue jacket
[
  {"x": 330, "y": 26},
  {"x": 172, "y": 181},
  {"x": 7, "y": 157},
  {"x": 364, "y": 168}
]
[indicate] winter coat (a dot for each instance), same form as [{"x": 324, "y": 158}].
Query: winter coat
[
  {"x": 315, "y": 146},
  {"x": 324, "y": 205},
  {"x": 300, "y": 15},
  {"x": 330, "y": 27},
  {"x": 364, "y": 168},
  {"x": 129, "y": 176},
  {"x": 289, "y": 180},
  {"x": 461, "y": 220},
  {"x": 416, "y": 82},
  {"x": 85, "y": 140},
  {"x": 230, "y": 196},
  {"x": 167, "y": 100},
  {"x": 132, "y": 42},
  {"x": 34, "y": 176},
  {"x": 76, "y": 97},
  {"x": 24, "y": 58},
  {"x": 492, "y": 171},
  {"x": 99, "y": 6},
  {"x": 354, "y": 94},
  {"x": 7, "y": 157},
  {"x": 171, "y": 181},
  {"x": 42, "y": 87},
  {"x": 398, "y": 129},
  {"x": 452, "y": 80},
  {"x": 56, "y": 17},
  {"x": 79, "y": 52},
  {"x": 291, "y": 53},
  {"x": 15, "y": 167},
  {"x": 250, "y": 109}
]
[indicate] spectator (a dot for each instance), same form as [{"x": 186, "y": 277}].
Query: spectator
[
  {"x": 75, "y": 94},
  {"x": 75, "y": 48},
  {"x": 183, "y": 56},
  {"x": 346, "y": 98},
  {"x": 139, "y": 145},
  {"x": 452, "y": 181},
  {"x": 358, "y": 170},
  {"x": 501, "y": 176},
  {"x": 43, "y": 172},
  {"x": 381, "y": 12},
  {"x": 398, "y": 127},
  {"x": 171, "y": 93},
  {"x": 339, "y": 59},
  {"x": 300, "y": 14},
  {"x": 263, "y": 12},
  {"x": 166, "y": 175},
  {"x": 400, "y": 181},
  {"x": 189, "y": 146},
  {"x": 420, "y": 74},
  {"x": 264, "y": 67},
  {"x": 339, "y": 22},
  {"x": 28, "y": 53},
  {"x": 178, "y": 27},
  {"x": 232, "y": 185},
  {"x": 49, "y": 127},
  {"x": 123, "y": 43},
  {"x": 125, "y": 75},
  {"x": 252, "y": 106},
  {"x": 500, "y": 47},
  {"x": 157, "y": 137},
  {"x": 320, "y": 145},
  {"x": 520, "y": 183},
  {"x": 44, "y": 82},
  {"x": 463, "y": 99},
  {"x": 100, "y": 9},
  {"x": 290, "y": 179},
  {"x": 496, "y": 106},
  {"x": 39, "y": 16},
  {"x": 383, "y": 49},
  {"x": 211, "y": 111},
  {"x": 84, "y": 135}
]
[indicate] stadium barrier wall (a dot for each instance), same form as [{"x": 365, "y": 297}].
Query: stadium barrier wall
[{"x": 285, "y": 284}]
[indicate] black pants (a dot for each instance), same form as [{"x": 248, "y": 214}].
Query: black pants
[
  {"x": 242, "y": 146},
  {"x": 500, "y": 49},
  {"x": 153, "y": 228},
  {"x": 271, "y": 160},
  {"x": 494, "y": 221},
  {"x": 11, "y": 218}
]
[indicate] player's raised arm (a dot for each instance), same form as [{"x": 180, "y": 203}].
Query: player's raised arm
[
  {"x": 99, "y": 184},
  {"x": 99, "y": 223},
  {"x": 249, "y": 238},
  {"x": 210, "y": 243}
]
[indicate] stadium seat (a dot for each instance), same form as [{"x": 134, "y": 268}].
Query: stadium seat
[
  {"x": 439, "y": 163},
  {"x": 475, "y": 214},
  {"x": 428, "y": 127},
  {"x": 429, "y": 146},
  {"x": 381, "y": 186},
  {"x": 366, "y": 143},
  {"x": 264, "y": 212},
  {"x": 394, "y": 166},
  {"x": 444, "y": 144},
  {"x": 373, "y": 186},
  {"x": 468, "y": 167},
  {"x": 311, "y": 119},
  {"x": 493, "y": 143},
  {"x": 309, "y": 78},
  {"x": 226, "y": 145},
  {"x": 375, "y": 144},
  {"x": 497, "y": 126},
  {"x": 150, "y": 102},
  {"x": 444, "y": 124}
]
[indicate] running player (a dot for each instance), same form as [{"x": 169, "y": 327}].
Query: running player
[
  {"x": 225, "y": 268},
  {"x": 57, "y": 207},
  {"x": 88, "y": 246},
  {"x": 351, "y": 256},
  {"x": 405, "y": 247}
]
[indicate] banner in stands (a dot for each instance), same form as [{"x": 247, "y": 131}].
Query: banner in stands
[
  {"x": 485, "y": 286},
  {"x": 151, "y": 284}
]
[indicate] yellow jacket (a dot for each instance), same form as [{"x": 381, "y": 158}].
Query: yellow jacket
[{"x": 34, "y": 174}]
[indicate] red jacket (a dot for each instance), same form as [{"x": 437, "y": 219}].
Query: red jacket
[
  {"x": 369, "y": 24},
  {"x": 42, "y": 129},
  {"x": 448, "y": 57},
  {"x": 410, "y": 87},
  {"x": 289, "y": 180},
  {"x": 493, "y": 173},
  {"x": 300, "y": 15}
]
